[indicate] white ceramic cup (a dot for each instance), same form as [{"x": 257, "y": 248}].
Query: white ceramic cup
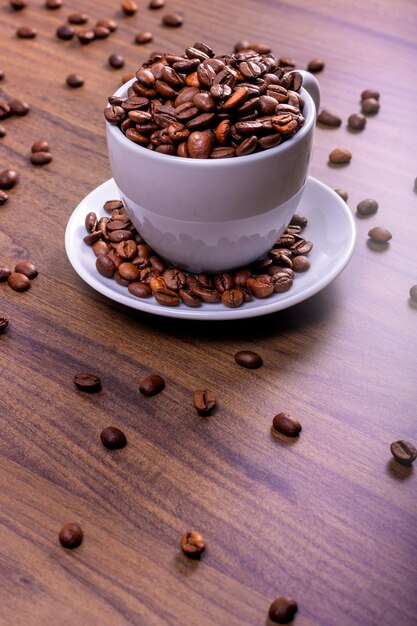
[{"x": 208, "y": 215}]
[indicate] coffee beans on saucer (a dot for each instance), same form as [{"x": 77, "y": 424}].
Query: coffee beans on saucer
[
  {"x": 71, "y": 536},
  {"x": 283, "y": 610},
  {"x": 192, "y": 544}
]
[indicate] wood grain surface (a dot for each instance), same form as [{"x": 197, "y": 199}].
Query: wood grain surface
[{"x": 328, "y": 519}]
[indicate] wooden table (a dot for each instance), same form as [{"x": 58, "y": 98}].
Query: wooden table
[{"x": 328, "y": 519}]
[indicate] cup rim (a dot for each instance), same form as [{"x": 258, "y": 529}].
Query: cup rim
[{"x": 119, "y": 136}]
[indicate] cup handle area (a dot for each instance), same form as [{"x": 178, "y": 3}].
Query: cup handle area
[{"x": 311, "y": 85}]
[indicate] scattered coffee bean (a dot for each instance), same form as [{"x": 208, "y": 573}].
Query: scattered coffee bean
[
  {"x": 286, "y": 425},
  {"x": 370, "y": 93},
  {"x": 315, "y": 65},
  {"x": 86, "y": 36},
  {"x": 71, "y": 536},
  {"x": 370, "y": 106},
  {"x": 18, "y": 5},
  {"x": 113, "y": 438},
  {"x": 3, "y": 197},
  {"x": 283, "y": 610},
  {"x": 404, "y": 452},
  {"x": 204, "y": 401},
  {"x": 27, "y": 268},
  {"x": 40, "y": 146},
  {"x": 367, "y": 207},
  {"x": 78, "y": 18},
  {"x": 2, "y": 131},
  {"x": 75, "y": 80},
  {"x": 151, "y": 385},
  {"x": 129, "y": 7},
  {"x": 26, "y": 32},
  {"x": 413, "y": 292},
  {"x": 17, "y": 107},
  {"x": 343, "y": 194},
  {"x": 247, "y": 358},
  {"x": 3, "y": 324},
  {"x": 192, "y": 544},
  {"x": 41, "y": 158},
  {"x": 379, "y": 234},
  {"x": 116, "y": 61},
  {"x": 87, "y": 382},
  {"x": 108, "y": 23},
  {"x": 53, "y": 4},
  {"x": 18, "y": 281},
  {"x": 101, "y": 32},
  {"x": 4, "y": 273},
  {"x": 173, "y": 20},
  {"x": 156, "y": 4},
  {"x": 356, "y": 121},
  {"x": 340, "y": 156},
  {"x": 143, "y": 37},
  {"x": 65, "y": 32}
]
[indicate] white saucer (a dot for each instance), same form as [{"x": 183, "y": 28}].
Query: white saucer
[{"x": 330, "y": 227}]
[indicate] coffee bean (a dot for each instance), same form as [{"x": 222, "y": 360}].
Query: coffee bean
[
  {"x": 71, "y": 536},
  {"x": 114, "y": 115},
  {"x": 166, "y": 297},
  {"x": 192, "y": 544},
  {"x": 189, "y": 298},
  {"x": 379, "y": 234},
  {"x": 129, "y": 8},
  {"x": 53, "y": 4},
  {"x": 3, "y": 197},
  {"x": 298, "y": 220},
  {"x": 283, "y": 610},
  {"x": 260, "y": 287},
  {"x": 315, "y": 65},
  {"x": 286, "y": 425},
  {"x": 199, "y": 145},
  {"x": 26, "y": 32},
  {"x": 113, "y": 205},
  {"x": 301, "y": 263},
  {"x": 78, "y": 18},
  {"x": 140, "y": 290},
  {"x": 343, "y": 194},
  {"x": 108, "y": 23},
  {"x": 173, "y": 20},
  {"x": 370, "y": 106},
  {"x": 232, "y": 298},
  {"x": 143, "y": 37},
  {"x": 204, "y": 401},
  {"x": 3, "y": 324},
  {"x": 86, "y": 36},
  {"x": 40, "y": 146},
  {"x": 17, "y": 107},
  {"x": 151, "y": 385},
  {"x": 250, "y": 360},
  {"x": 105, "y": 265},
  {"x": 156, "y": 4},
  {"x": 65, "y": 32},
  {"x": 329, "y": 118},
  {"x": 4, "y": 109},
  {"x": 27, "y": 268},
  {"x": 87, "y": 382},
  {"x": 41, "y": 158},
  {"x": 356, "y": 121},
  {"x": 75, "y": 80},
  {"x": 404, "y": 452},
  {"x": 370, "y": 93},
  {"x": 113, "y": 438},
  {"x": 18, "y": 5},
  {"x": 340, "y": 156},
  {"x": 413, "y": 291},
  {"x": 101, "y": 32},
  {"x": 18, "y": 281},
  {"x": 4, "y": 273},
  {"x": 367, "y": 207},
  {"x": 101, "y": 247}
]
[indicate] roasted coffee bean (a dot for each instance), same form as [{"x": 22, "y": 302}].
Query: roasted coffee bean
[
  {"x": 343, "y": 194},
  {"x": 222, "y": 152},
  {"x": 270, "y": 141},
  {"x": 301, "y": 263},
  {"x": 241, "y": 276},
  {"x": 105, "y": 266},
  {"x": 281, "y": 281},
  {"x": 247, "y": 146},
  {"x": 3, "y": 197},
  {"x": 379, "y": 234},
  {"x": 53, "y": 4},
  {"x": 129, "y": 271},
  {"x": 298, "y": 220},
  {"x": 237, "y": 98},
  {"x": 370, "y": 106},
  {"x": 173, "y": 20},
  {"x": 120, "y": 235},
  {"x": 156, "y": 4},
  {"x": 356, "y": 121},
  {"x": 136, "y": 137},
  {"x": 92, "y": 238},
  {"x": 222, "y": 132},
  {"x": 281, "y": 257},
  {"x": 200, "y": 122},
  {"x": 206, "y": 294},
  {"x": 143, "y": 37},
  {"x": 113, "y": 205},
  {"x": 113, "y": 256},
  {"x": 367, "y": 207},
  {"x": 71, "y": 536},
  {"x": 204, "y": 401},
  {"x": 4, "y": 109},
  {"x": 101, "y": 247},
  {"x": 75, "y": 80},
  {"x": 329, "y": 118},
  {"x": 101, "y": 32},
  {"x": 108, "y": 23},
  {"x": 151, "y": 385},
  {"x": 120, "y": 280},
  {"x": 192, "y": 544},
  {"x": 370, "y": 93},
  {"x": 78, "y": 18},
  {"x": 199, "y": 145},
  {"x": 113, "y": 438},
  {"x": 412, "y": 292},
  {"x": 114, "y": 114},
  {"x": 27, "y": 268},
  {"x": 340, "y": 156},
  {"x": 232, "y": 298},
  {"x": 250, "y": 360},
  {"x": 116, "y": 61},
  {"x": 129, "y": 7},
  {"x": 86, "y": 36},
  {"x": 223, "y": 282},
  {"x": 40, "y": 146},
  {"x": 41, "y": 158},
  {"x": 248, "y": 128},
  {"x": 174, "y": 279},
  {"x": 286, "y": 425},
  {"x": 259, "y": 287},
  {"x": 301, "y": 247},
  {"x": 178, "y": 132},
  {"x": 283, "y": 610},
  {"x": 220, "y": 92},
  {"x": 140, "y": 290},
  {"x": 8, "y": 179},
  {"x": 17, "y": 107},
  {"x": 127, "y": 249},
  {"x": 404, "y": 452},
  {"x": 26, "y": 32},
  {"x": 205, "y": 102},
  {"x": 4, "y": 273},
  {"x": 3, "y": 324},
  {"x": 315, "y": 65},
  {"x": 18, "y": 281},
  {"x": 204, "y": 280},
  {"x": 18, "y": 5},
  {"x": 206, "y": 76},
  {"x": 185, "y": 96},
  {"x": 87, "y": 382},
  {"x": 189, "y": 298}
]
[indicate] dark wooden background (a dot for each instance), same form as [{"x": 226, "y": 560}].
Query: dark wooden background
[{"x": 328, "y": 518}]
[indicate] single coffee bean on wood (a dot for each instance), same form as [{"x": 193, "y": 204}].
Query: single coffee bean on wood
[
  {"x": 3, "y": 197},
  {"x": 315, "y": 65},
  {"x": 379, "y": 234},
  {"x": 41, "y": 158},
  {"x": 78, "y": 18},
  {"x": 116, "y": 61},
  {"x": 108, "y": 23},
  {"x": 370, "y": 106},
  {"x": 283, "y": 610},
  {"x": 18, "y": 281},
  {"x": 151, "y": 385},
  {"x": 129, "y": 8},
  {"x": 65, "y": 32},
  {"x": 3, "y": 324},
  {"x": 26, "y": 32},
  {"x": 75, "y": 80},
  {"x": 8, "y": 179},
  {"x": 113, "y": 438},
  {"x": 4, "y": 273},
  {"x": 343, "y": 194},
  {"x": 173, "y": 20},
  {"x": 404, "y": 452},
  {"x": 18, "y": 107},
  {"x": 143, "y": 37},
  {"x": 27, "y": 268},
  {"x": 71, "y": 536},
  {"x": 87, "y": 382},
  {"x": 367, "y": 207},
  {"x": 370, "y": 93},
  {"x": 86, "y": 36},
  {"x": 286, "y": 425},
  {"x": 18, "y": 5},
  {"x": 329, "y": 118},
  {"x": 40, "y": 146},
  {"x": 204, "y": 401},
  {"x": 101, "y": 32},
  {"x": 53, "y": 4},
  {"x": 340, "y": 156},
  {"x": 413, "y": 292},
  {"x": 156, "y": 4},
  {"x": 192, "y": 544},
  {"x": 356, "y": 121},
  {"x": 250, "y": 360}
]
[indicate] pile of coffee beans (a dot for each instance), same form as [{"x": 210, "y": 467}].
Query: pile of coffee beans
[
  {"x": 19, "y": 279},
  {"x": 204, "y": 106},
  {"x": 122, "y": 254}
]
